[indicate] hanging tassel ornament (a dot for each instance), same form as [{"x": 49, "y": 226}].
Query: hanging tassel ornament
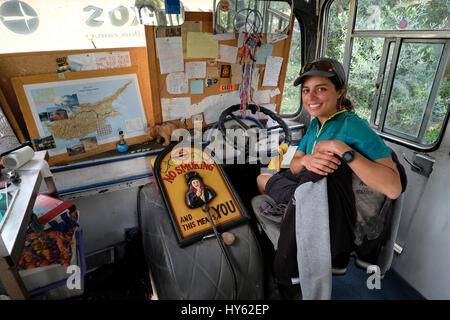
[{"x": 248, "y": 59}]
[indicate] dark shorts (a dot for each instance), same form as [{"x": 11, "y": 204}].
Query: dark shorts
[{"x": 281, "y": 186}]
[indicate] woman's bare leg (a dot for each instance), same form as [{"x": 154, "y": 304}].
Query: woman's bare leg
[{"x": 261, "y": 181}]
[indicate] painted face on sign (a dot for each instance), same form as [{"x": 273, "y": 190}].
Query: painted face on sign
[{"x": 196, "y": 184}]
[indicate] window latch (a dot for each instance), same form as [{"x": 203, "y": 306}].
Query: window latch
[{"x": 422, "y": 164}]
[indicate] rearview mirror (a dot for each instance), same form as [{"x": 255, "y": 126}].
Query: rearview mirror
[{"x": 154, "y": 13}]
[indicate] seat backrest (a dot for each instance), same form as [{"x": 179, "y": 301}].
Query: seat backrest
[{"x": 386, "y": 254}]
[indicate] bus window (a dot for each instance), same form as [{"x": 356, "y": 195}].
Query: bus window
[
  {"x": 396, "y": 55},
  {"x": 291, "y": 95}
]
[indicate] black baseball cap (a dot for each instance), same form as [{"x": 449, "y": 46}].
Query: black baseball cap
[{"x": 322, "y": 67}]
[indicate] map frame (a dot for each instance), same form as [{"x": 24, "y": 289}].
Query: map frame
[{"x": 33, "y": 123}]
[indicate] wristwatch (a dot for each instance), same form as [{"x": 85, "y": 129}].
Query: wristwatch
[{"x": 348, "y": 156}]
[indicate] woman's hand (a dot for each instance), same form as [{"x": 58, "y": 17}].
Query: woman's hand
[
  {"x": 321, "y": 163},
  {"x": 336, "y": 147}
]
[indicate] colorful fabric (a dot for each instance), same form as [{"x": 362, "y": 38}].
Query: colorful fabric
[{"x": 50, "y": 247}]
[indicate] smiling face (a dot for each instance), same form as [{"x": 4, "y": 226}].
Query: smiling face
[{"x": 320, "y": 97}]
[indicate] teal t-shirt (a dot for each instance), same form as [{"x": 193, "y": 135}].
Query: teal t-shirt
[{"x": 347, "y": 127}]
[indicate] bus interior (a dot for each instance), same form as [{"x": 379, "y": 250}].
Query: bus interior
[{"x": 102, "y": 93}]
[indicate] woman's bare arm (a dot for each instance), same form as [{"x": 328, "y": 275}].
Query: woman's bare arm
[{"x": 381, "y": 174}]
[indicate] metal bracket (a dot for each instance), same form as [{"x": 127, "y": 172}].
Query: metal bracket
[{"x": 422, "y": 164}]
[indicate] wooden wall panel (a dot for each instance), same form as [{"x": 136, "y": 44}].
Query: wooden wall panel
[{"x": 35, "y": 63}]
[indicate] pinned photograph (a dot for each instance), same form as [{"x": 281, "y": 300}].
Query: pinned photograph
[
  {"x": 75, "y": 149},
  {"x": 69, "y": 102},
  {"x": 89, "y": 143},
  {"x": 43, "y": 116},
  {"x": 44, "y": 143},
  {"x": 57, "y": 113}
]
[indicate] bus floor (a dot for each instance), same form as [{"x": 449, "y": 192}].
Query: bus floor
[{"x": 355, "y": 284}]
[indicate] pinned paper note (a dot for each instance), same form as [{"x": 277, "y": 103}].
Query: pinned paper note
[
  {"x": 196, "y": 69},
  {"x": 275, "y": 37},
  {"x": 196, "y": 86},
  {"x": 261, "y": 97},
  {"x": 99, "y": 60},
  {"x": 227, "y": 53},
  {"x": 170, "y": 54},
  {"x": 175, "y": 108},
  {"x": 263, "y": 52},
  {"x": 177, "y": 83},
  {"x": 212, "y": 72},
  {"x": 212, "y": 106},
  {"x": 274, "y": 92},
  {"x": 201, "y": 45},
  {"x": 189, "y": 26},
  {"x": 272, "y": 71},
  {"x": 236, "y": 73}
]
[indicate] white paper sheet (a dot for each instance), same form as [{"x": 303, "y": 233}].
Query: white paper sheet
[
  {"x": 170, "y": 54},
  {"x": 177, "y": 83},
  {"x": 275, "y": 37},
  {"x": 134, "y": 124},
  {"x": 272, "y": 71},
  {"x": 274, "y": 92},
  {"x": 224, "y": 36},
  {"x": 175, "y": 108},
  {"x": 99, "y": 60},
  {"x": 227, "y": 53},
  {"x": 196, "y": 69},
  {"x": 212, "y": 106},
  {"x": 108, "y": 60},
  {"x": 261, "y": 97}
]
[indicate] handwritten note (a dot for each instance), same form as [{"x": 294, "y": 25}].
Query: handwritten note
[
  {"x": 177, "y": 83},
  {"x": 99, "y": 60},
  {"x": 272, "y": 71},
  {"x": 227, "y": 53},
  {"x": 261, "y": 97},
  {"x": 175, "y": 108},
  {"x": 170, "y": 54},
  {"x": 196, "y": 69}
]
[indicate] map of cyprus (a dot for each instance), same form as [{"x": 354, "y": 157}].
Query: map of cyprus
[
  {"x": 75, "y": 116},
  {"x": 81, "y": 123}
]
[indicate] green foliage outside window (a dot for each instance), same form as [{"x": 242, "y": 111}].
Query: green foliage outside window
[{"x": 416, "y": 69}]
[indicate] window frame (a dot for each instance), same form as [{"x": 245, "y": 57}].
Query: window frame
[{"x": 398, "y": 37}]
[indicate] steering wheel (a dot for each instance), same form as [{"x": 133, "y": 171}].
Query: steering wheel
[{"x": 254, "y": 108}]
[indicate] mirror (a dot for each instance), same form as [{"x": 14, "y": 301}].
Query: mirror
[
  {"x": 153, "y": 13},
  {"x": 252, "y": 16}
]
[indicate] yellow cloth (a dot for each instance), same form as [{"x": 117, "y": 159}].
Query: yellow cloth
[{"x": 275, "y": 162}]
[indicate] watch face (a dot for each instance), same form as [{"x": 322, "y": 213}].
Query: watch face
[{"x": 347, "y": 156}]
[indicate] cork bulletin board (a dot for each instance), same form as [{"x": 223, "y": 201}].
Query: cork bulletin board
[
  {"x": 215, "y": 70},
  {"x": 79, "y": 114}
]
